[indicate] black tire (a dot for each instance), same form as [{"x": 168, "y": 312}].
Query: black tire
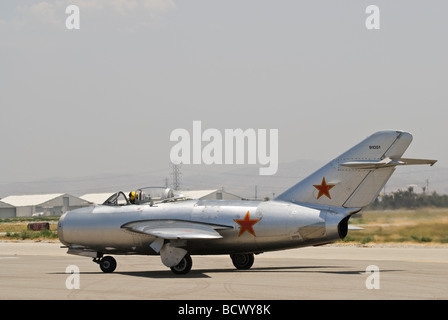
[
  {"x": 184, "y": 266},
  {"x": 243, "y": 261},
  {"x": 108, "y": 264}
]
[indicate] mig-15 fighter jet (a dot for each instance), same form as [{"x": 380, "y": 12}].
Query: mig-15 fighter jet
[{"x": 315, "y": 211}]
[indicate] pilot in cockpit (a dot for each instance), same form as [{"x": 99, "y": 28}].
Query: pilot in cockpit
[{"x": 132, "y": 197}]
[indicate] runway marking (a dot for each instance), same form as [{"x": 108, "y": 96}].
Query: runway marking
[{"x": 6, "y": 258}]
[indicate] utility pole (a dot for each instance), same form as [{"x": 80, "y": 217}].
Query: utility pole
[{"x": 175, "y": 175}]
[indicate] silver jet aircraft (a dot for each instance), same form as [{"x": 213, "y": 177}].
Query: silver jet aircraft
[{"x": 315, "y": 211}]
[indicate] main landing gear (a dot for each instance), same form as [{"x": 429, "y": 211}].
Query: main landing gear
[{"x": 241, "y": 261}]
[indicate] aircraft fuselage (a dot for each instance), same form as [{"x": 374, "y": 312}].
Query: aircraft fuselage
[{"x": 247, "y": 226}]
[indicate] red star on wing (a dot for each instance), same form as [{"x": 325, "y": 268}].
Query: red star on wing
[
  {"x": 324, "y": 189},
  {"x": 246, "y": 224}
]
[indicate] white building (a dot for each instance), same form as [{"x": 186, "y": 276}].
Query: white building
[
  {"x": 7, "y": 210},
  {"x": 44, "y": 204},
  {"x": 96, "y": 198}
]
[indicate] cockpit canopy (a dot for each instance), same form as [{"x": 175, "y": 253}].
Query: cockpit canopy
[
  {"x": 117, "y": 199},
  {"x": 148, "y": 195}
]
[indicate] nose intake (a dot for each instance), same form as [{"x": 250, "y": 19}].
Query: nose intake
[{"x": 61, "y": 229}]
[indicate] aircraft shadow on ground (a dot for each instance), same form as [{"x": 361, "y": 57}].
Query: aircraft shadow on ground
[{"x": 208, "y": 273}]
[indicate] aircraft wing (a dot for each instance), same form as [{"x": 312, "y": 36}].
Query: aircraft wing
[{"x": 175, "y": 229}]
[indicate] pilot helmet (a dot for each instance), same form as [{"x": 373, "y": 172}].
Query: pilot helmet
[{"x": 132, "y": 195}]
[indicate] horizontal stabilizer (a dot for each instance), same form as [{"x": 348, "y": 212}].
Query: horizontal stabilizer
[
  {"x": 372, "y": 164},
  {"x": 384, "y": 163},
  {"x": 350, "y": 227},
  {"x": 418, "y": 161},
  {"x": 175, "y": 229}
]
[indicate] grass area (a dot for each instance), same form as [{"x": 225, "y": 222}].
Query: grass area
[
  {"x": 17, "y": 228},
  {"x": 426, "y": 225},
  {"x": 33, "y": 235}
]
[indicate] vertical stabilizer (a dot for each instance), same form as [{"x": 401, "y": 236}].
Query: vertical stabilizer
[{"x": 354, "y": 179}]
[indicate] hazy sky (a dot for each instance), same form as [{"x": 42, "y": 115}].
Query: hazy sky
[{"x": 106, "y": 97}]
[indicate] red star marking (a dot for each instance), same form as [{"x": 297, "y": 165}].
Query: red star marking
[
  {"x": 324, "y": 188},
  {"x": 246, "y": 224}
]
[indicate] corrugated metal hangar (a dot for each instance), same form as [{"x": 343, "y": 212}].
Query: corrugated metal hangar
[
  {"x": 39, "y": 205},
  {"x": 58, "y": 203},
  {"x": 7, "y": 210}
]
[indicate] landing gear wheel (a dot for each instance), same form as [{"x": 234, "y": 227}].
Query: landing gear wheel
[
  {"x": 242, "y": 261},
  {"x": 184, "y": 266},
  {"x": 108, "y": 264}
]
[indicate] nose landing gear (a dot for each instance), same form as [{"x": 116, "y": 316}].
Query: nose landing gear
[{"x": 107, "y": 263}]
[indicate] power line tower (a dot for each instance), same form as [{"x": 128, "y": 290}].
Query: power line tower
[{"x": 175, "y": 175}]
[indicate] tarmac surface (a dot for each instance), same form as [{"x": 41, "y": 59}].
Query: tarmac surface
[{"x": 30, "y": 270}]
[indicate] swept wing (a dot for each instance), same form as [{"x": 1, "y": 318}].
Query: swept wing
[{"x": 176, "y": 229}]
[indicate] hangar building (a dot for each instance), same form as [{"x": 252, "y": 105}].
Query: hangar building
[
  {"x": 97, "y": 198},
  {"x": 7, "y": 210},
  {"x": 40, "y": 204}
]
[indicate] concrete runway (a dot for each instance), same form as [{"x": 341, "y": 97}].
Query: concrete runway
[{"x": 38, "y": 271}]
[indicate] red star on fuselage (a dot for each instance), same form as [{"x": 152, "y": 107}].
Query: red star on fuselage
[
  {"x": 324, "y": 189},
  {"x": 246, "y": 224}
]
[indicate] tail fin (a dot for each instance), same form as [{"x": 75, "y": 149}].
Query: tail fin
[{"x": 354, "y": 179}]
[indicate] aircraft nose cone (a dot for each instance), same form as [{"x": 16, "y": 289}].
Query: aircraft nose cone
[{"x": 61, "y": 229}]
